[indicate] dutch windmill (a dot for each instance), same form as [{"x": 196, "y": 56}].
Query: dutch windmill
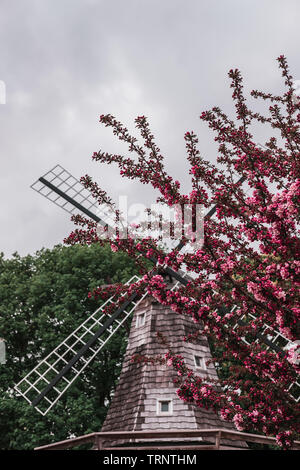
[{"x": 50, "y": 379}]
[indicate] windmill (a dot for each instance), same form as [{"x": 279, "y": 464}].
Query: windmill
[{"x": 50, "y": 379}]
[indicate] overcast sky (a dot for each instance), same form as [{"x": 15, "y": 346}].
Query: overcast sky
[{"x": 65, "y": 62}]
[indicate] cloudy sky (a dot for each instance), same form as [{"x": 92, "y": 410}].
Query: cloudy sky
[{"x": 66, "y": 62}]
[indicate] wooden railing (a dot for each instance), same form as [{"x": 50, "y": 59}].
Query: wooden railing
[{"x": 135, "y": 440}]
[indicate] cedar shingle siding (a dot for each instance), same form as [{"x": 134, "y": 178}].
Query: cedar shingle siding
[{"x": 134, "y": 405}]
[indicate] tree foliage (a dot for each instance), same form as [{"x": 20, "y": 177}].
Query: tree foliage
[{"x": 37, "y": 291}]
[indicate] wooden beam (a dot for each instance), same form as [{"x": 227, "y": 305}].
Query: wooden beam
[{"x": 97, "y": 438}]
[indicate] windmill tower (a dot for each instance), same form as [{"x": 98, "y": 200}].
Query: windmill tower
[{"x": 146, "y": 396}]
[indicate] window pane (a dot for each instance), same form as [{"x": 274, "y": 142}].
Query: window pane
[
  {"x": 200, "y": 362},
  {"x": 164, "y": 406}
]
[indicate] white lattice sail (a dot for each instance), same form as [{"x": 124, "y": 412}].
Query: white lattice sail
[{"x": 51, "y": 368}]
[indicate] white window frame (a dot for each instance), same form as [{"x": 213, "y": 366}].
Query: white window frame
[
  {"x": 139, "y": 323},
  {"x": 159, "y": 412},
  {"x": 202, "y": 362}
]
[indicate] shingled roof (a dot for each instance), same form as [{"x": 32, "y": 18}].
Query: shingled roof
[{"x": 141, "y": 387}]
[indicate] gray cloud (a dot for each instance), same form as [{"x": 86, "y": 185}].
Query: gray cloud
[{"x": 66, "y": 62}]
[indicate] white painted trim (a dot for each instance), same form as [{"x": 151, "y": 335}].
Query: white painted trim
[
  {"x": 164, "y": 413},
  {"x": 138, "y": 316},
  {"x": 202, "y": 361}
]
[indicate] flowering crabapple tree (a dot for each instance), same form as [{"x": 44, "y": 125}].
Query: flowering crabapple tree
[{"x": 249, "y": 259}]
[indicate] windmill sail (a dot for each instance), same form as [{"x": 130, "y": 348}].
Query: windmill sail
[
  {"x": 64, "y": 190},
  {"x": 49, "y": 380}
]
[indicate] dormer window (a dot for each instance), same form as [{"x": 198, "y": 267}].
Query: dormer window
[
  {"x": 140, "y": 319},
  {"x": 200, "y": 362},
  {"x": 164, "y": 407}
]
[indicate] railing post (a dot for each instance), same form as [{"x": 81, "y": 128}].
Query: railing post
[
  {"x": 218, "y": 440},
  {"x": 97, "y": 443}
]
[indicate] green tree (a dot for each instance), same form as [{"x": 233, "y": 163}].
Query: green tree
[{"x": 35, "y": 291}]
